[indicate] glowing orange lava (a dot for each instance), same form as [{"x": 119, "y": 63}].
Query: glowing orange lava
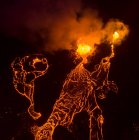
[
  {"x": 115, "y": 36},
  {"x": 80, "y": 91},
  {"x": 23, "y": 78},
  {"x": 83, "y": 49}
]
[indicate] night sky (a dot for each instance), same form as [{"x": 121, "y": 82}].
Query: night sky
[{"x": 34, "y": 27}]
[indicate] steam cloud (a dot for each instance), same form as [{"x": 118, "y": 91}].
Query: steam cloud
[{"x": 60, "y": 23}]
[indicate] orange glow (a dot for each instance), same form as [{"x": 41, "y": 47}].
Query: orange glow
[
  {"x": 115, "y": 36},
  {"x": 36, "y": 60},
  {"x": 84, "y": 49}
]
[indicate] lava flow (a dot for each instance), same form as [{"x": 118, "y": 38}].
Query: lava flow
[
  {"x": 25, "y": 71},
  {"x": 79, "y": 94}
]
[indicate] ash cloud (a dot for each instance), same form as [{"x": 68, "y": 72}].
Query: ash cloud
[{"x": 58, "y": 23}]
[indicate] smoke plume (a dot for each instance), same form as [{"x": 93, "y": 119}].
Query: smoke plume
[{"x": 59, "y": 23}]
